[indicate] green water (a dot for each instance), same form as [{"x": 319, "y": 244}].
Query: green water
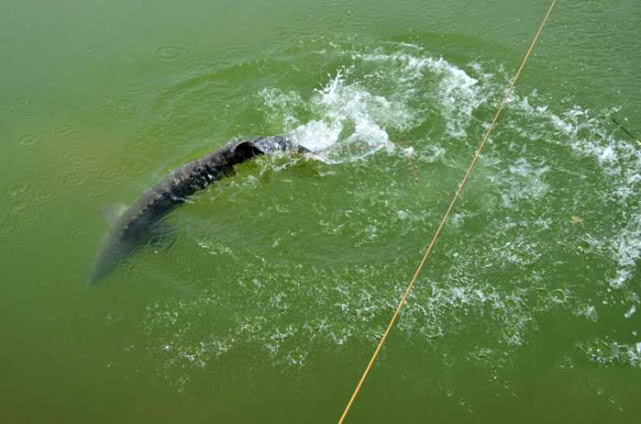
[{"x": 282, "y": 278}]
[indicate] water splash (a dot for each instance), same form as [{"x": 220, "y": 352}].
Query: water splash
[
  {"x": 526, "y": 198},
  {"x": 359, "y": 110}
]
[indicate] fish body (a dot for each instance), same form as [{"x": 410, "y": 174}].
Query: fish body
[{"x": 136, "y": 225}]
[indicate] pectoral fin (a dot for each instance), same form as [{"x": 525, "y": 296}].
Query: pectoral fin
[
  {"x": 114, "y": 212},
  {"x": 162, "y": 236}
]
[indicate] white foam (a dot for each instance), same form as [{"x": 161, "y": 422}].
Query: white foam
[
  {"x": 280, "y": 106},
  {"x": 523, "y": 181},
  {"x": 620, "y": 161},
  {"x": 589, "y": 312},
  {"x": 612, "y": 353},
  {"x": 626, "y": 250},
  {"x": 458, "y": 93},
  {"x": 351, "y": 116},
  {"x": 630, "y": 312},
  {"x": 351, "y": 122}
]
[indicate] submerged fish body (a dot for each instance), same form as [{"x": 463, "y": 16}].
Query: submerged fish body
[{"x": 135, "y": 226}]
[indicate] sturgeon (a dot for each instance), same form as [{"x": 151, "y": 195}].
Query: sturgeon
[{"x": 136, "y": 225}]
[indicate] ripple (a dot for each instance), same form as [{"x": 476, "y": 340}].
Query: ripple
[
  {"x": 17, "y": 190},
  {"x": 78, "y": 234},
  {"x": 106, "y": 100},
  {"x": 21, "y": 102},
  {"x": 10, "y": 224},
  {"x": 73, "y": 182},
  {"x": 111, "y": 173},
  {"x": 139, "y": 147},
  {"x": 135, "y": 89},
  {"x": 29, "y": 139},
  {"x": 7, "y": 226},
  {"x": 15, "y": 105},
  {"x": 133, "y": 167},
  {"x": 43, "y": 196},
  {"x": 282, "y": 32},
  {"x": 106, "y": 179},
  {"x": 170, "y": 52},
  {"x": 63, "y": 129},
  {"x": 17, "y": 208},
  {"x": 92, "y": 168},
  {"x": 196, "y": 70},
  {"x": 124, "y": 104}
]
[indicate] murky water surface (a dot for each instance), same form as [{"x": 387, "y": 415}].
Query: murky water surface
[{"x": 282, "y": 278}]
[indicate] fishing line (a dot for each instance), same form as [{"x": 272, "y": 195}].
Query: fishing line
[{"x": 477, "y": 153}]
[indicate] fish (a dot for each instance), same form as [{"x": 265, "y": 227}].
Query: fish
[{"x": 139, "y": 223}]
